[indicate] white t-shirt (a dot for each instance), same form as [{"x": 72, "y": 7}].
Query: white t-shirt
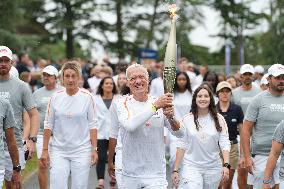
[
  {"x": 202, "y": 147},
  {"x": 94, "y": 83},
  {"x": 157, "y": 87},
  {"x": 70, "y": 118},
  {"x": 143, "y": 147}
]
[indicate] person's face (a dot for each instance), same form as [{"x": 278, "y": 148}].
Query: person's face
[
  {"x": 211, "y": 79},
  {"x": 247, "y": 78},
  {"x": 263, "y": 87},
  {"x": 48, "y": 80},
  {"x": 137, "y": 81},
  {"x": 181, "y": 81},
  {"x": 203, "y": 99},
  {"x": 202, "y": 70},
  {"x": 277, "y": 83},
  {"x": 5, "y": 65},
  {"x": 121, "y": 80},
  {"x": 108, "y": 85},
  {"x": 182, "y": 66},
  {"x": 70, "y": 79},
  {"x": 225, "y": 95},
  {"x": 233, "y": 82}
]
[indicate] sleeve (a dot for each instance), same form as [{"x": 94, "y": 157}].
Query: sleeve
[
  {"x": 240, "y": 114},
  {"x": 28, "y": 101},
  {"x": 183, "y": 141},
  {"x": 252, "y": 110},
  {"x": 92, "y": 117},
  {"x": 50, "y": 115},
  {"x": 278, "y": 135},
  {"x": 132, "y": 122},
  {"x": 114, "y": 127},
  {"x": 9, "y": 120},
  {"x": 224, "y": 141},
  {"x": 178, "y": 133}
]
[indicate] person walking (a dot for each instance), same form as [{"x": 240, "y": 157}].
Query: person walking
[
  {"x": 198, "y": 152},
  {"x": 71, "y": 119}
]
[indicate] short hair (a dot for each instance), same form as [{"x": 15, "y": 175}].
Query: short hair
[
  {"x": 107, "y": 70},
  {"x": 73, "y": 65},
  {"x": 136, "y": 66}
]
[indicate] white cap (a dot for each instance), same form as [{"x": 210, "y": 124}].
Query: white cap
[
  {"x": 51, "y": 70},
  {"x": 14, "y": 72},
  {"x": 247, "y": 68},
  {"x": 258, "y": 69},
  {"x": 5, "y": 51},
  {"x": 276, "y": 70},
  {"x": 264, "y": 80}
]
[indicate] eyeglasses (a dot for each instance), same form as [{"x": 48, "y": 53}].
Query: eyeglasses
[
  {"x": 5, "y": 60},
  {"x": 134, "y": 78}
]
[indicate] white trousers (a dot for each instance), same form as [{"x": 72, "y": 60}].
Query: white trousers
[
  {"x": 39, "y": 145},
  {"x": 2, "y": 171},
  {"x": 62, "y": 166},
  {"x": 9, "y": 163},
  {"x": 118, "y": 177},
  {"x": 201, "y": 178},
  {"x": 145, "y": 183}
]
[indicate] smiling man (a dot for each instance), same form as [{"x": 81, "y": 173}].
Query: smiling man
[{"x": 143, "y": 121}]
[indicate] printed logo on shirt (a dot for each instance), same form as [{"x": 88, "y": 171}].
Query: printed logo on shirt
[
  {"x": 234, "y": 120},
  {"x": 5, "y": 95},
  {"x": 277, "y": 107}
]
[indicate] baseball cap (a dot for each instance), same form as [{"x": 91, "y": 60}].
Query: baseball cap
[
  {"x": 51, "y": 70},
  {"x": 246, "y": 68},
  {"x": 276, "y": 70},
  {"x": 258, "y": 69},
  {"x": 14, "y": 72},
  {"x": 222, "y": 85},
  {"x": 5, "y": 51},
  {"x": 264, "y": 80}
]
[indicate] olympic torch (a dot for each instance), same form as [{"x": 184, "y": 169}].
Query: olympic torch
[{"x": 171, "y": 55}]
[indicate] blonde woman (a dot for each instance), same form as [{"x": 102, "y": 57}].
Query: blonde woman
[{"x": 71, "y": 118}]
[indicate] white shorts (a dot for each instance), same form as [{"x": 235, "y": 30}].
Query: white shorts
[
  {"x": 145, "y": 183},
  {"x": 9, "y": 164},
  {"x": 39, "y": 145},
  {"x": 2, "y": 172},
  {"x": 257, "y": 178},
  {"x": 61, "y": 166},
  {"x": 193, "y": 178}
]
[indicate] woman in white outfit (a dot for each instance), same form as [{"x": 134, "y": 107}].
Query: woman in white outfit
[
  {"x": 182, "y": 105},
  {"x": 71, "y": 118},
  {"x": 106, "y": 94},
  {"x": 199, "y": 150}
]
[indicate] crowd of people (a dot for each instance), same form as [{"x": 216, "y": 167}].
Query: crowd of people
[{"x": 73, "y": 115}]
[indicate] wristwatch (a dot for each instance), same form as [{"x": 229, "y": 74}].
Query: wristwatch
[
  {"x": 17, "y": 168},
  {"x": 227, "y": 165},
  {"x": 34, "y": 139},
  {"x": 267, "y": 181}
]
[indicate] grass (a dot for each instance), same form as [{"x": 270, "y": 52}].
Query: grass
[{"x": 31, "y": 165}]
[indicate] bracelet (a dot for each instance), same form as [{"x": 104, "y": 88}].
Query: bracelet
[
  {"x": 267, "y": 181},
  {"x": 153, "y": 107},
  {"x": 227, "y": 165},
  {"x": 175, "y": 171},
  {"x": 95, "y": 149}
]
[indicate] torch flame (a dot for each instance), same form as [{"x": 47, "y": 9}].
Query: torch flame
[{"x": 173, "y": 10}]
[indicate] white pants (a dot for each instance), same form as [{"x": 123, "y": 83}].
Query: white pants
[
  {"x": 61, "y": 167},
  {"x": 9, "y": 164},
  {"x": 39, "y": 145},
  {"x": 193, "y": 178},
  {"x": 118, "y": 177},
  {"x": 145, "y": 183},
  {"x": 2, "y": 172},
  {"x": 258, "y": 173}
]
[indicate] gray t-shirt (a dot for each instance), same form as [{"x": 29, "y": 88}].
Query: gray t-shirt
[
  {"x": 42, "y": 96},
  {"x": 20, "y": 97},
  {"x": 266, "y": 111},
  {"x": 278, "y": 136},
  {"x": 6, "y": 121},
  {"x": 243, "y": 98}
]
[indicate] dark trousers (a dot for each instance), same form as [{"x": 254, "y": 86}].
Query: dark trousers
[{"x": 102, "y": 153}]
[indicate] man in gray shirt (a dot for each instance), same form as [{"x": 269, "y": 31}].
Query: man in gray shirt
[
  {"x": 242, "y": 96},
  {"x": 262, "y": 116},
  {"x": 7, "y": 124},
  {"x": 20, "y": 97},
  {"x": 42, "y": 96}
]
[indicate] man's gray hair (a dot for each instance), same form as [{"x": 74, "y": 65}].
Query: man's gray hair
[{"x": 135, "y": 66}]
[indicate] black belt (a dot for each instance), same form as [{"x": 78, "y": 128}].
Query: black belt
[{"x": 235, "y": 141}]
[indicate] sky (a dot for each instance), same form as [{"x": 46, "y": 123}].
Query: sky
[{"x": 202, "y": 35}]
